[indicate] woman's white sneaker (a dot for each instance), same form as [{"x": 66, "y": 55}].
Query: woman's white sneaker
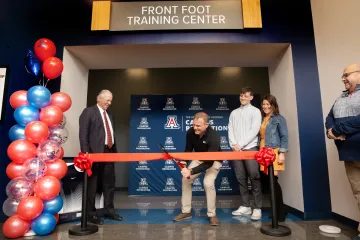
[
  {"x": 256, "y": 215},
  {"x": 242, "y": 211}
]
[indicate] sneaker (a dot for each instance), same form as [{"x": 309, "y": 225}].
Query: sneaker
[
  {"x": 256, "y": 215},
  {"x": 182, "y": 216},
  {"x": 214, "y": 221},
  {"x": 242, "y": 211}
]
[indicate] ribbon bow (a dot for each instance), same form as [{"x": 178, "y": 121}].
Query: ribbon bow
[
  {"x": 265, "y": 157},
  {"x": 83, "y": 162}
]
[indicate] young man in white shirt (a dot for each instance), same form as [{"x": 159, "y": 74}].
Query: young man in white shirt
[{"x": 243, "y": 129}]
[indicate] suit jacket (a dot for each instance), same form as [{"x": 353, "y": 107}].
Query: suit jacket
[{"x": 92, "y": 130}]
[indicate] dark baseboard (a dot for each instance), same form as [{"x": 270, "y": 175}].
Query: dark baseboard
[
  {"x": 324, "y": 216},
  {"x": 317, "y": 216},
  {"x": 346, "y": 221},
  {"x": 310, "y": 215},
  {"x": 295, "y": 212},
  {"x": 122, "y": 189}
]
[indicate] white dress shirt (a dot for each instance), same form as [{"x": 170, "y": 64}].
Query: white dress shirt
[{"x": 110, "y": 125}]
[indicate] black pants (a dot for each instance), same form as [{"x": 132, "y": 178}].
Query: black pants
[
  {"x": 281, "y": 209},
  {"x": 102, "y": 178}
]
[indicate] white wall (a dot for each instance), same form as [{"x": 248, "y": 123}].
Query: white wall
[
  {"x": 74, "y": 81},
  {"x": 282, "y": 86},
  {"x": 337, "y": 38}
]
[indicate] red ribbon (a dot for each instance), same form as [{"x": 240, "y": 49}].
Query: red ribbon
[
  {"x": 83, "y": 162},
  {"x": 265, "y": 157},
  {"x": 167, "y": 156}
]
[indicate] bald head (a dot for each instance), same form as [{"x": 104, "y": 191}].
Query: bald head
[
  {"x": 352, "y": 67},
  {"x": 351, "y": 76}
]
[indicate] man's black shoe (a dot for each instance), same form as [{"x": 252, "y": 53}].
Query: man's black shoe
[
  {"x": 114, "y": 216},
  {"x": 95, "y": 220}
]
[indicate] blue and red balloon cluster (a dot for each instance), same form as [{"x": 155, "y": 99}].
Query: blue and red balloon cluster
[{"x": 36, "y": 166}]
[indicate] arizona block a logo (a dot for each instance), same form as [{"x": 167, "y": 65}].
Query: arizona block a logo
[{"x": 172, "y": 123}]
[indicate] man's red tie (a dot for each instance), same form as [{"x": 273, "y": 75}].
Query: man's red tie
[{"x": 109, "y": 138}]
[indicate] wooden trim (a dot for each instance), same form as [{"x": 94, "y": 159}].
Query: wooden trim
[
  {"x": 100, "y": 19},
  {"x": 251, "y": 12}
]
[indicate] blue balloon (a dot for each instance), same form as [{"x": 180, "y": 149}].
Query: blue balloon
[
  {"x": 17, "y": 132},
  {"x": 43, "y": 224},
  {"x": 32, "y": 64},
  {"x": 54, "y": 205},
  {"x": 26, "y": 114},
  {"x": 38, "y": 96}
]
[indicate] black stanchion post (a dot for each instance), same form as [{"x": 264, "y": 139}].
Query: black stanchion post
[
  {"x": 274, "y": 222},
  {"x": 274, "y": 229},
  {"x": 84, "y": 228}
]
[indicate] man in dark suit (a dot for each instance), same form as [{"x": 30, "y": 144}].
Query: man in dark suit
[{"x": 97, "y": 136}]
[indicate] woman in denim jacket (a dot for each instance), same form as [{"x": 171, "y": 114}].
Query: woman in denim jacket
[{"x": 274, "y": 134}]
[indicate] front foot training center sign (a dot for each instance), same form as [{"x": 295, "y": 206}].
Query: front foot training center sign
[{"x": 129, "y": 16}]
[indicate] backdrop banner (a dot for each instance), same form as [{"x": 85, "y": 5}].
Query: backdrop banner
[{"x": 164, "y": 119}]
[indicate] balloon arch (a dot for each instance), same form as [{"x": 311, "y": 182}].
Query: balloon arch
[{"x": 35, "y": 151}]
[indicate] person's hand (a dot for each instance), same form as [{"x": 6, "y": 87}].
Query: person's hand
[
  {"x": 235, "y": 148},
  {"x": 183, "y": 163},
  {"x": 186, "y": 172},
  {"x": 281, "y": 159},
  {"x": 330, "y": 135},
  {"x": 341, "y": 137}
]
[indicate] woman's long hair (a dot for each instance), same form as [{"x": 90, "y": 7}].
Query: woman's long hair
[{"x": 273, "y": 103}]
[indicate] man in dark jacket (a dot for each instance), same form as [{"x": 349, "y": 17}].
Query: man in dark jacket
[{"x": 97, "y": 136}]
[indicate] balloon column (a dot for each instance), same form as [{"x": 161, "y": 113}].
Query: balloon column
[{"x": 35, "y": 151}]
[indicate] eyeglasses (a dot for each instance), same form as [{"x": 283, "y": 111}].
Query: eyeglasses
[{"x": 345, "y": 75}]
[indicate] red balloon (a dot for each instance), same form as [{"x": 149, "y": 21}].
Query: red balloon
[
  {"x": 18, "y": 99},
  {"x": 56, "y": 215},
  {"x": 21, "y": 150},
  {"x": 62, "y": 100},
  {"x": 44, "y": 48},
  {"x": 47, "y": 187},
  {"x": 36, "y": 132},
  {"x": 13, "y": 170},
  {"x": 61, "y": 152},
  {"x": 52, "y": 67},
  {"x": 57, "y": 168},
  {"x": 15, "y": 227},
  {"x": 51, "y": 115},
  {"x": 30, "y": 208}
]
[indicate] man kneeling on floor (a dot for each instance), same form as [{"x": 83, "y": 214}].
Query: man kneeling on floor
[{"x": 200, "y": 138}]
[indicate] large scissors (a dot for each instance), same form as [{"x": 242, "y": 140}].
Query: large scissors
[{"x": 180, "y": 165}]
